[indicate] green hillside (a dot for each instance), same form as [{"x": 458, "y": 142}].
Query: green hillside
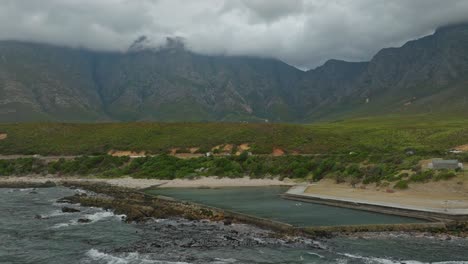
[{"x": 371, "y": 135}]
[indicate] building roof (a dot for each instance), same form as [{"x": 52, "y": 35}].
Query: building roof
[{"x": 444, "y": 162}]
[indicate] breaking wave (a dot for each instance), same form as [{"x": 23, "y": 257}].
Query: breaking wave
[
  {"x": 96, "y": 217},
  {"x": 130, "y": 258},
  {"x": 372, "y": 260}
]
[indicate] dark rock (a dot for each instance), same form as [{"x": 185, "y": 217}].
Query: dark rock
[
  {"x": 69, "y": 199},
  {"x": 40, "y": 217},
  {"x": 83, "y": 220},
  {"x": 63, "y": 200},
  {"x": 227, "y": 222},
  {"x": 70, "y": 210}
]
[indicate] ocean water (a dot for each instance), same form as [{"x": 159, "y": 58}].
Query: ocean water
[{"x": 59, "y": 238}]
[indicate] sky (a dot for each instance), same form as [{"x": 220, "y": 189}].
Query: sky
[{"x": 303, "y": 33}]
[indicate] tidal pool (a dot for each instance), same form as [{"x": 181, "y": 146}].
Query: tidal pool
[{"x": 266, "y": 202}]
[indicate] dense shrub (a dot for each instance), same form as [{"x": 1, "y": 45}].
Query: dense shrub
[
  {"x": 402, "y": 185},
  {"x": 338, "y": 167},
  {"x": 424, "y": 176},
  {"x": 445, "y": 175}
]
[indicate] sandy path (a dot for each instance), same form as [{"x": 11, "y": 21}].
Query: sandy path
[{"x": 146, "y": 183}]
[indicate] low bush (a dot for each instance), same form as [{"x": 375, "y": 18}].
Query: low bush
[
  {"x": 401, "y": 185},
  {"x": 445, "y": 175},
  {"x": 424, "y": 176}
]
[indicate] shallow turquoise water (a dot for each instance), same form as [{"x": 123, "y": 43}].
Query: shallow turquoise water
[
  {"x": 266, "y": 202},
  {"x": 61, "y": 239}
]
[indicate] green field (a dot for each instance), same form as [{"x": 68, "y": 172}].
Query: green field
[{"x": 426, "y": 134}]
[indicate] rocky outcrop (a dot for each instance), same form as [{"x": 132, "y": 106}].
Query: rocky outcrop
[
  {"x": 138, "y": 206},
  {"x": 21, "y": 184},
  {"x": 70, "y": 210}
]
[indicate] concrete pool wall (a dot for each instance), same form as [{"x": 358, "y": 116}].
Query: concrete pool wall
[
  {"x": 310, "y": 230},
  {"x": 433, "y": 226},
  {"x": 297, "y": 194}
]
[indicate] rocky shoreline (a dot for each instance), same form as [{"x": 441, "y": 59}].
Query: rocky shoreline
[
  {"x": 140, "y": 207},
  {"x": 25, "y": 184},
  {"x": 180, "y": 226}
]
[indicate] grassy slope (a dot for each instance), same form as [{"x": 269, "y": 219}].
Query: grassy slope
[{"x": 389, "y": 134}]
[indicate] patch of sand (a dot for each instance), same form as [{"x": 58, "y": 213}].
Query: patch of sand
[
  {"x": 211, "y": 182},
  {"x": 124, "y": 153},
  {"x": 277, "y": 152},
  {"x": 188, "y": 155},
  {"x": 3, "y": 136},
  {"x": 224, "y": 148},
  {"x": 462, "y": 147},
  {"x": 173, "y": 151},
  {"x": 451, "y": 194},
  {"x": 225, "y": 182},
  {"x": 242, "y": 148},
  {"x": 194, "y": 150}
]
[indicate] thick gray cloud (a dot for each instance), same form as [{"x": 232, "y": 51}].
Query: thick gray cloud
[{"x": 304, "y": 33}]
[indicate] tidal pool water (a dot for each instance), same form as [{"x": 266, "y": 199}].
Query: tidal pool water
[
  {"x": 59, "y": 238},
  {"x": 266, "y": 202}
]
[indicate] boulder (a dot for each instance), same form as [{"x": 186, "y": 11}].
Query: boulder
[{"x": 70, "y": 210}]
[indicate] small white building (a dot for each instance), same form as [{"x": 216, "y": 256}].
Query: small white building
[{"x": 441, "y": 164}]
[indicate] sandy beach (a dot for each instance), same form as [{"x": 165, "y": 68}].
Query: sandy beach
[
  {"x": 210, "y": 182},
  {"x": 449, "y": 195}
]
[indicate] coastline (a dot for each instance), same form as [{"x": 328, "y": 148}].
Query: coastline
[
  {"x": 203, "y": 182},
  {"x": 139, "y": 206}
]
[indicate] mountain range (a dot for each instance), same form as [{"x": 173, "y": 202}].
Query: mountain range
[{"x": 41, "y": 82}]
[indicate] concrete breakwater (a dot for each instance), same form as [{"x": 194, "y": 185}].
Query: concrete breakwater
[
  {"x": 297, "y": 194},
  {"x": 438, "y": 222}
]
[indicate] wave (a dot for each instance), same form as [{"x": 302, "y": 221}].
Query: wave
[
  {"x": 54, "y": 214},
  {"x": 372, "y": 260},
  {"x": 102, "y": 215},
  {"x": 96, "y": 217},
  {"x": 315, "y": 254},
  {"x": 130, "y": 258},
  {"x": 223, "y": 261}
]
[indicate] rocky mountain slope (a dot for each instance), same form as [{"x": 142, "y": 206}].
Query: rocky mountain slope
[{"x": 42, "y": 82}]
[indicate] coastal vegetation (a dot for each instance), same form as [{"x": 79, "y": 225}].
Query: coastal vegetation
[
  {"x": 391, "y": 135},
  {"x": 385, "y": 151},
  {"x": 366, "y": 169}
]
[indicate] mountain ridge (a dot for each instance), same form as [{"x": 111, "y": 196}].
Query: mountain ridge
[{"x": 41, "y": 82}]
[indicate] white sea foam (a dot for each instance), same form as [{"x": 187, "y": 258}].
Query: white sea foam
[
  {"x": 341, "y": 261},
  {"x": 131, "y": 258},
  {"x": 60, "y": 225},
  {"x": 55, "y": 213},
  {"x": 372, "y": 260},
  {"x": 101, "y": 216},
  {"x": 223, "y": 261},
  {"x": 80, "y": 191},
  {"x": 96, "y": 217},
  {"x": 315, "y": 254}
]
